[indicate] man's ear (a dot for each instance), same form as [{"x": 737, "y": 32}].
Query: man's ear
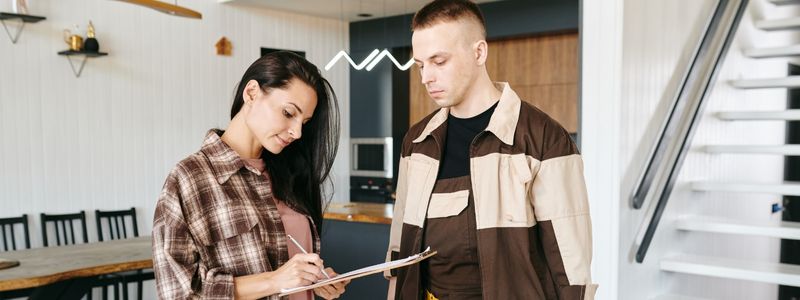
[{"x": 481, "y": 52}]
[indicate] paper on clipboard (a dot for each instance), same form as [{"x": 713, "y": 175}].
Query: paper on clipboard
[{"x": 364, "y": 271}]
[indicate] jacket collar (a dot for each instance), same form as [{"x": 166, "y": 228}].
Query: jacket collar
[
  {"x": 224, "y": 161},
  {"x": 502, "y": 124}
]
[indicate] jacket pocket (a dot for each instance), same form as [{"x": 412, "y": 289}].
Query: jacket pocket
[
  {"x": 419, "y": 187},
  {"x": 515, "y": 205},
  {"x": 520, "y": 168},
  {"x": 444, "y": 205}
]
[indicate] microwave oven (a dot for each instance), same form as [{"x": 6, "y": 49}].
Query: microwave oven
[{"x": 371, "y": 157}]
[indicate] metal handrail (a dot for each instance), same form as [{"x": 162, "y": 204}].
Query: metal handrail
[{"x": 672, "y": 145}]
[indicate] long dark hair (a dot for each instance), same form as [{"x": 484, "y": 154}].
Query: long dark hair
[{"x": 300, "y": 170}]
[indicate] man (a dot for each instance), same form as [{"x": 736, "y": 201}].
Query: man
[{"x": 490, "y": 182}]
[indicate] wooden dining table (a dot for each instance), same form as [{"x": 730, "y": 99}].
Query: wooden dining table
[{"x": 67, "y": 272}]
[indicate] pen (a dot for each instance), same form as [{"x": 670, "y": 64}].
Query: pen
[{"x": 304, "y": 252}]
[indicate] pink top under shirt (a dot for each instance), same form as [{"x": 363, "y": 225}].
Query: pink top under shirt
[{"x": 294, "y": 223}]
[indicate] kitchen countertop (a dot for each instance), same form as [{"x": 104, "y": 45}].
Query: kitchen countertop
[{"x": 375, "y": 213}]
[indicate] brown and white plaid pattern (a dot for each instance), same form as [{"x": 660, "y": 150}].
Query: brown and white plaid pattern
[{"x": 215, "y": 219}]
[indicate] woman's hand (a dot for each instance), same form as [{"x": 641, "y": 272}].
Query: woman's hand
[
  {"x": 331, "y": 291},
  {"x": 300, "y": 270}
]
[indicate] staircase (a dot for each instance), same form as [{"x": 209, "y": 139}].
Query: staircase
[{"x": 755, "y": 269}]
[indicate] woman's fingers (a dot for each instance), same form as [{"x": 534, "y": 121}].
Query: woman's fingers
[
  {"x": 339, "y": 287},
  {"x": 326, "y": 292},
  {"x": 307, "y": 278},
  {"x": 310, "y": 258},
  {"x": 330, "y": 291},
  {"x": 313, "y": 269},
  {"x": 310, "y": 273},
  {"x": 336, "y": 288}
]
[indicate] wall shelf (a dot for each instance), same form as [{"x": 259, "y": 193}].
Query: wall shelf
[
  {"x": 85, "y": 55},
  {"x": 23, "y": 19}
]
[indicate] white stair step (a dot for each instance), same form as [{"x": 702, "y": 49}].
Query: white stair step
[
  {"x": 676, "y": 297},
  {"x": 773, "y": 52},
  {"x": 754, "y": 149},
  {"x": 767, "y": 83},
  {"x": 774, "y": 273},
  {"x": 781, "y": 115},
  {"x": 778, "y": 24},
  {"x": 782, "y": 230},
  {"x": 787, "y": 188},
  {"x": 784, "y": 2}
]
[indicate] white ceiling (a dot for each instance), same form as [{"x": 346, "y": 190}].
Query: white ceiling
[{"x": 347, "y": 10}]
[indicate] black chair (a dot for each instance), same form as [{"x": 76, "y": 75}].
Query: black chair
[
  {"x": 8, "y": 233},
  {"x": 117, "y": 229},
  {"x": 115, "y": 220},
  {"x": 64, "y": 225},
  {"x": 10, "y": 238},
  {"x": 64, "y": 236}
]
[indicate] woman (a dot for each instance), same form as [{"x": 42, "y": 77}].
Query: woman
[{"x": 222, "y": 219}]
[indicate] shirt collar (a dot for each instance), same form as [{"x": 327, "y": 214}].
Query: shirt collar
[
  {"x": 502, "y": 124},
  {"x": 224, "y": 161}
]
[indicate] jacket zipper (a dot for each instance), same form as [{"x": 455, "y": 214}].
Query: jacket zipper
[{"x": 474, "y": 202}]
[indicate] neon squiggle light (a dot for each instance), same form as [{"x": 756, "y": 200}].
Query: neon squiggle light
[{"x": 370, "y": 62}]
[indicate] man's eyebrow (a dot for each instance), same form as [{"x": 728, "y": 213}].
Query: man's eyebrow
[
  {"x": 435, "y": 55},
  {"x": 439, "y": 54}
]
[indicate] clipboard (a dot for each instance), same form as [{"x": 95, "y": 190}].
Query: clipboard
[{"x": 413, "y": 259}]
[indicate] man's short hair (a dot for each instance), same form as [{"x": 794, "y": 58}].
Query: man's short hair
[{"x": 448, "y": 10}]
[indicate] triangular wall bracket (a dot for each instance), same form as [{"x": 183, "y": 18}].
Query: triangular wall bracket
[
  {"x": 22, "y": 20},
  {"x": 14, "y": 37},
  {"x": 80, "y": 68},
  {"x": 85, "y": 55}
]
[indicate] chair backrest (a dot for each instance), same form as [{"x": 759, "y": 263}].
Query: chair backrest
[
  {"x": 115, "y": 221},
  {"x": 64, "y": 236},
  {"x": 8, "y": 233}
]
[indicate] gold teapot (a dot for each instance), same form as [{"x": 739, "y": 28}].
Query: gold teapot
[{"x": 74, "y": 41}]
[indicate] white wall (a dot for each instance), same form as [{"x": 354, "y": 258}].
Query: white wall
[
  {"x": 108, "y": 139},
  {"x": 657, "y": 37},
  {"x": 600, "y": 90}
]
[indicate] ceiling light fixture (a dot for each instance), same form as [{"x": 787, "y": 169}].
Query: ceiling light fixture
[{"x": 167, "y": 8}]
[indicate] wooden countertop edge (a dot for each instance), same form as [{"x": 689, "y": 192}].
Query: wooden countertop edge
[
  {"x": 357, "y": 218},
  {"x": 16, "y": 284}
]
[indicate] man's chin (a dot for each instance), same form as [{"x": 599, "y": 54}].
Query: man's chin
[{"x": 443, "y": 102}]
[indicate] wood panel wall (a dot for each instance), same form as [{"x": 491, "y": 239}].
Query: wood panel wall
[{"x": 543, "y": 70}]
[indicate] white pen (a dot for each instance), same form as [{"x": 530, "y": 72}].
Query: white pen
[{"x": 304, "y": 252}]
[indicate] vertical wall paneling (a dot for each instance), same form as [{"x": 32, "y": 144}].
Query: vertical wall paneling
[
  {"x": 108, "y": 139},
  {"x": 601, "y": 58}
]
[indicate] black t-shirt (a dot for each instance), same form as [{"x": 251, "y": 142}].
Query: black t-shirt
[{"x": 460, "y": 133}]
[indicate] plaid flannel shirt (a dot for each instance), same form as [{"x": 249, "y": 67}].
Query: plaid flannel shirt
[{"x": 215, "y": 219}]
